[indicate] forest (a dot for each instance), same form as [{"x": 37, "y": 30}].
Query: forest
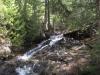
[{"x": 49, "y": 37}]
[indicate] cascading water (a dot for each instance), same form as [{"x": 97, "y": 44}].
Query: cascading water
[
  {"x": 27, "y": 70},
  {"x": 50, "y": 42},
  {"x": 55, "y": 39},
  {"x": 24, "y": 70},
  {"x": 30, "y": 53}
]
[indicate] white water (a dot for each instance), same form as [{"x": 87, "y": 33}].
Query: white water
[
  {"x": 55, "y": 39},
  {"x": 26, "y": 70},
  {"x": 23, "y": 71},
  {"x": 31, "y": 52},
  {"x": 50, "y": 42}
]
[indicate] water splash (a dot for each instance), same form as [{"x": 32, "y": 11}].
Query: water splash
[
  {"x": 29, "y": 70},
  {"x": 26, "y": 70},
  {"x": 47, "y": 43},
  {"x": 23, "y": 71},
  {"x": 54, "y": 39}
]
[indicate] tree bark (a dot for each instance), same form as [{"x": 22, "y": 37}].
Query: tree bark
[
  {"x": 47, "y": 28},
  {"x": 98, "y": 12},
  {"x": 47, "y": 15}
]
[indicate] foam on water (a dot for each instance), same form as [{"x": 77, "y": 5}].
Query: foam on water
[
  {"x": 22, "y": 71},
  {"x": 50, "y": 42},
  {"x": 29, "y": 54},
  {"x": 55, "y": 39},
  {"x": 27, "y": 70},
  {"x": 23, "y": 58}
]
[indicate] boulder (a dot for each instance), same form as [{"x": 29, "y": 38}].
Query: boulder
[{"x": 5, "y": 43}]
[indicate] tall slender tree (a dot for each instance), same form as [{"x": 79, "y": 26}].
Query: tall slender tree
[
  {"x": 47, "y": 15},
  {"x": 98, "y": 12},
  {"x": 47, "y": 25}
]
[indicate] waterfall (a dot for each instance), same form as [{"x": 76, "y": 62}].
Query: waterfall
[
  {"x": 28, "y": 70},
  {"x": 23, "y": 71},
  {"x": 47, "y": 43}
]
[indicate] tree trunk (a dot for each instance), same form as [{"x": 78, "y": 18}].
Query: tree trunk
[
  {"x": 47, "y": 15},
  {"x": 47, "y": 28},
  {"x": 27, "y": 43},
  {"x": 98, "y": 12}
]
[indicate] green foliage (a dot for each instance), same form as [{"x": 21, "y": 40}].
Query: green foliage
[
  {"x": 23, "y": 18},
  {"x": 74, "y": 13}
]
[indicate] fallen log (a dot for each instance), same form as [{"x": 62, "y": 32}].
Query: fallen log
[
  {"x": 81, "y": 34},
  {"x": 81, "y": 38}
]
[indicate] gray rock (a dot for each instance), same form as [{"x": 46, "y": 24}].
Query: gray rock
[{"x": 4, "y": 47}]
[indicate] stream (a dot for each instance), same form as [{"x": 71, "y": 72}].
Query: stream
[{"x": 29, "y": 69}]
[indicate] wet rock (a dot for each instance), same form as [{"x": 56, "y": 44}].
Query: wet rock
[
  {"x": 4, "y": 47},
  {"x": 7, "y": 69},
  {"x": 60, "y": 61}
]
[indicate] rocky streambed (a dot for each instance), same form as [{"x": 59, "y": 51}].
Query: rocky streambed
[
  {"x": 58, "y": 61},
  {"x": 48, "y": 58}
]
